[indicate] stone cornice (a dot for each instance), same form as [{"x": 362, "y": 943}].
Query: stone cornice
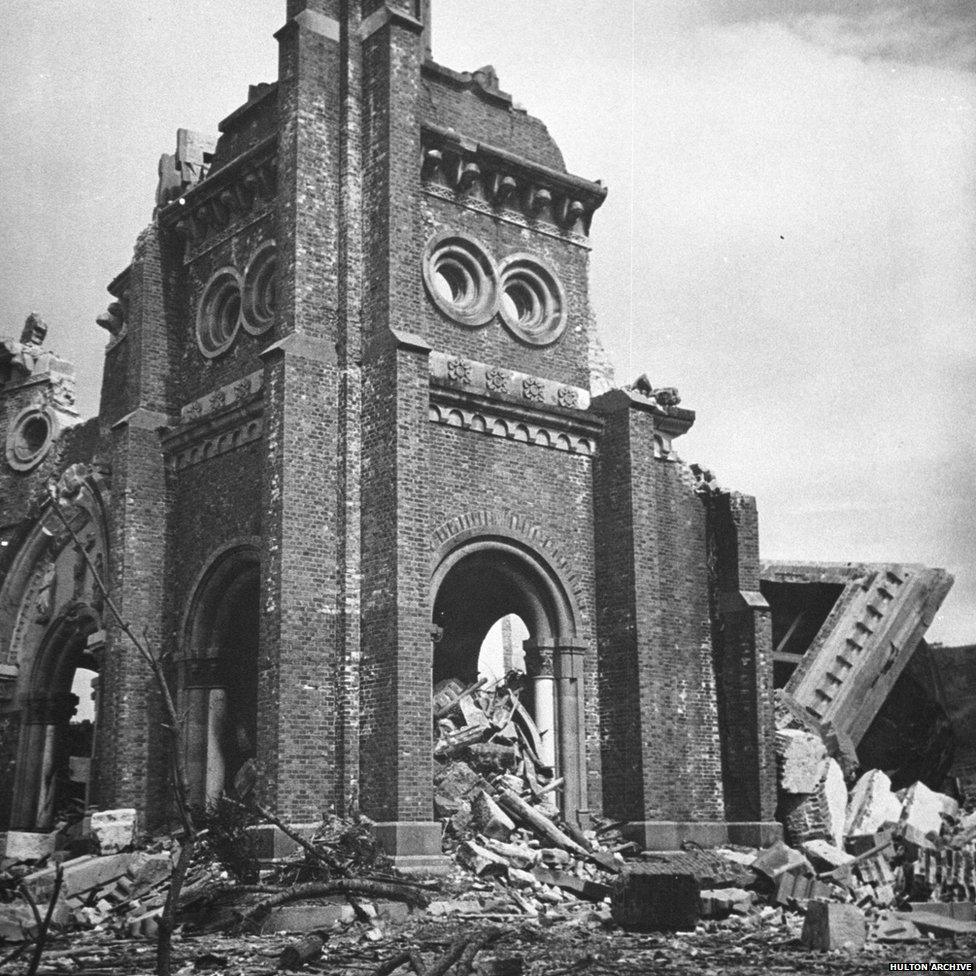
[
  {"x": 233, "y": 191},
  {"x": 497, "y": 384},
  {"x": 536, "y": 422},
  {"x": 478, "y": 173},
  {"x": 217, "y": 400}
]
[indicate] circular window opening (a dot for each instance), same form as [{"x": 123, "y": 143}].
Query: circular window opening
[
  {"x": 29, "y": 438},
  {"x": 219, "y": 313},
  {"x": 533, "y": 307},
  {"x": 35, "y": 433},
  {"x": 260, "y": 290},
  {"x": 461, "y": 278}
]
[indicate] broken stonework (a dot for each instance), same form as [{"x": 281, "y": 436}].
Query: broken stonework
[
  {"x": 871, "y": 805},
  {"x": 831, "y": 926},
  {"x": 114, "y": 830},
  {"x": 801, "y": 757},
  {"x": 922, "y": 813}
]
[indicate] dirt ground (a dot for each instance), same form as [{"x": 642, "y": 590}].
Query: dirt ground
[{"x": 548, "y": 947}]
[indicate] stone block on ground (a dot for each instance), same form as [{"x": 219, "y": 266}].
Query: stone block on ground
[
  {"x": 81, "y": 875},
  {"x": 889, "y": 928},
  {"x": 824, "y": 856},
  {"x": 941, "y": 926},
  {"x": 651, "y": 902},
  {"x": 834, "y": 790},
  {"x": 720, "y": 902},
  {"x": 481, "y": 860},
  {"x": 798, "y": 889},
  {"x": 923, "y": 810},
  {"x": 871, "y": 805},
  {"x": 489, "y": 818},
  {"x": 26, "y": 845},
  {"x": 114, "y": 830},
  {"x": 801, "y": 757},
  {"x": 964, "y": 911},
  {"x": 780, "y": 859},
  {"x": 299, "y": 919},
  {"x": 829, "y": 925}
]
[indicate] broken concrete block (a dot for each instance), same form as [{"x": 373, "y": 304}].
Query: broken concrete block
[
  {"x": 923, "y": 810},
  {"x": 480, "y": 860},
  {"x": 81, "y": 875},
  {"x": 26, "y": 845},
  {"x": 798, "y": 889},
  {"x": 780, "y": 859},
  {"x": 964, "y": 911},
  {"x": 518, "y": 854},
  {"x": 938, "y": 924},
  {"x": 581, "y": 887},
  {"x": 824, "y": 856},
  {"x": 871, "y": 805},
  {"x": 834, "y": 788},
  {"x": 489, "y": 818},
  {"x": 888, "y": 928},
  {"x": 300, "y": 919},
  {"x": 145, "y": 871},
  {"x": 720, "y": 902},
  {"x": 801, "y": 757},
  {"x": 655, "y": 902},
  {"x": 829, "y": 925},
  {"x": 114, "y": 830}
]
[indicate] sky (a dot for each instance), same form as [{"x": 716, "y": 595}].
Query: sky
[{"x": 788, "y": 238}]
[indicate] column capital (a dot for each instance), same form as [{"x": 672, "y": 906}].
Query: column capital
[{"x": 539, "y": 658}]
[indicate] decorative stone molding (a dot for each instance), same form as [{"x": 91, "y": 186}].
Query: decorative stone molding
[
  {"x": 219, "y": 443},
  {"x": 30, "y": 438},
  {"x": 228, "y": 395},
  {"x": 505, "y": 384},
  {"x": 242, "y": 189},
  {"x": 517, "y": 526},
  {"x": 492, "y": 180}
]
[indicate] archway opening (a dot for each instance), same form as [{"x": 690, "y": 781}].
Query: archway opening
[
  {"x": 499, "y": 607},
  {"x": 503, "y": 650},
  {"x": 60, "y": 711},
  {"x": 220, "y": 686}
]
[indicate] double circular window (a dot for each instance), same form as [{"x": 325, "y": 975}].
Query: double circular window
[
  {"x": 29, "y": 438},
  {"x": 467, "y": 285},
  {"x": 533, "y": 306},
  {"x": 259, "y": 290},
  {"x": 461, "y": 278},
  {"x": 219, "y": 314},
  {"x": 232, "y": 301}
]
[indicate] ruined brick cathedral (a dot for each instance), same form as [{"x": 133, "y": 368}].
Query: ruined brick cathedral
[{"x": 353, "y": 413}]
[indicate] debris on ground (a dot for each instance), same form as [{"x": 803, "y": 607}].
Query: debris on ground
[{"x": 859, "y": 870}]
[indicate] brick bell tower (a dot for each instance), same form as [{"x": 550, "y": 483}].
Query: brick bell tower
[{"x": 353, "y": 417}]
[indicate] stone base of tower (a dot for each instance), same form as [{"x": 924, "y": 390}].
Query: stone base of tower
[
  {"x": 413, "y": 846},
  {"x": 670, "y": 835}
]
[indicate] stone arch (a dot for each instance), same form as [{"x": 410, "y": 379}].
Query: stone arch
[
  {"x": 219, "y": 673},
  {"x": 482, "y": 573},
  {"x": 50, "y": 626}
]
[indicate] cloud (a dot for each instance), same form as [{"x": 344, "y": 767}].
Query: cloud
[{"x": 941, "y": 33}]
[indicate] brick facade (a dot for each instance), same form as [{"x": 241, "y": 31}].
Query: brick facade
[{"x": 393, "y": 430}]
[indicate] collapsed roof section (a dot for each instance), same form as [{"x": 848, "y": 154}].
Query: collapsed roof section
[{"x": 842, "y": 635}]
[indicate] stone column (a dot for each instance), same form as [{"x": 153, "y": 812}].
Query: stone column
[{"x": 542, "y": 696}]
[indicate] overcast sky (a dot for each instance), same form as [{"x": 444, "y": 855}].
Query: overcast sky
[{"x": 789, "y": 236}]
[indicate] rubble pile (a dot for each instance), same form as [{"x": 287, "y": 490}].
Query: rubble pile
[{"x": 859, "y": 868}]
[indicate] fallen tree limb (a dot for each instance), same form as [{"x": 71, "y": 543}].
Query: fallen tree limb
[
  {"x": 41, "y": 937},
  {"x": 343, "y": 886}
]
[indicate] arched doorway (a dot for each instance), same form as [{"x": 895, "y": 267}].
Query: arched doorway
[
  {"x": 220, "y": 676},
  {"x": 53, "y": 769},
  {"x": 478, "y": 583}
]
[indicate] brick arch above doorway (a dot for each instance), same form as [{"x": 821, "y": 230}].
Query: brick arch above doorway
[{"x": 517, "y": 527}]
